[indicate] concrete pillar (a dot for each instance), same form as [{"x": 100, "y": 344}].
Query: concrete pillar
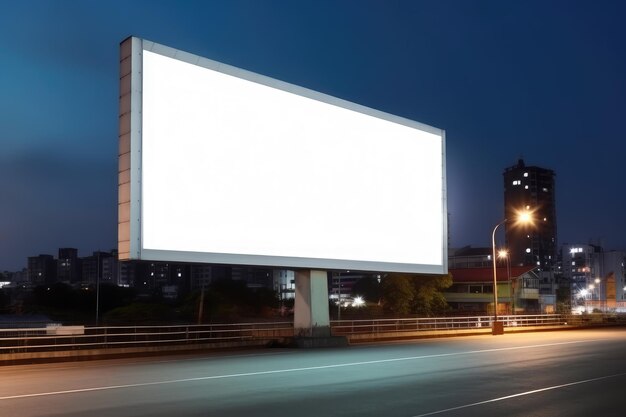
[{"x": 311, "y": 317}]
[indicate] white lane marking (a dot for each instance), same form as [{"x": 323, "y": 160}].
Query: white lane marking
[
  {"x": 280, "y": 371},
  {"x": 521, "y": 394}
]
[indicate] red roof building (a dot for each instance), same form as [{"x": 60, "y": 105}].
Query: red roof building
[{"x": 472, "y": 290}]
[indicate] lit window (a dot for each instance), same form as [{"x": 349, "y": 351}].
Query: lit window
[
  {"x": 526, "y": 187},
  {"x": 538, "y": 263},
  {"x": 573, "y": 263},
  {"x": 545, "y": 219},
  {"x": 545, "y": 190},
  {"x": 525, "y": 174},
  {"x": 527, "y": 250}
]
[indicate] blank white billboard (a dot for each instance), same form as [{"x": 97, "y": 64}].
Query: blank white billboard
[{"x": 228, "y": 166}]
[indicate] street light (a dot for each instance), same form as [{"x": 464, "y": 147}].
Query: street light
[
  {"x": 592, "y": 292},
  {"x": 504, "y": 254},
  {"x": 523, "y": 217},
  {"x": 597, "y": 281}
]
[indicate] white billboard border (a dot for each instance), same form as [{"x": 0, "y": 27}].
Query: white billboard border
[{"x": 137, "y": 251}]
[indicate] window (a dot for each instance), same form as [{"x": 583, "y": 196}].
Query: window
[
  {"x": 525, "y": 174},
  {"x": 475, "y": 289}
]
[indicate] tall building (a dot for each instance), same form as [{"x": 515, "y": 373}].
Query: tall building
[
  {"x": 530, "y": 188},
  {"x": 92, "y": 271},
  {"x": 41, "y": 270},
  {"x": 597, "y": 277},
  {"x": 68, "y": 269}
]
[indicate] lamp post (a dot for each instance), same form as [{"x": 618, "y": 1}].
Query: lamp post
[
  {"x": 523, "y": 217},
  {"x": 504, "y": 254},
  {"x": 498, "y": 327},
  {"x": 600, "y": 303}
]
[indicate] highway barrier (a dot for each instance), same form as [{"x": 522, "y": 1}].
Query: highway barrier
[{"x": 58, "y": 341}]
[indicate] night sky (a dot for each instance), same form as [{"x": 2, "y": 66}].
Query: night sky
[{"x": 543, "y": 80}]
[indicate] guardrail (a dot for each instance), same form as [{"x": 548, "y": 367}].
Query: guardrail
[
  {"x": 56, "y": 338},
  {"x": 73, "y": 338},
  {"x": 349, "y": 327}
]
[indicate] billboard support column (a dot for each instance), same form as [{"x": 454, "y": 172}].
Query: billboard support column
[{"x": 311, "y": 317}]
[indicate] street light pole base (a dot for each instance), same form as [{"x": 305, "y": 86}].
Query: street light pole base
[{"x": 498, "y": 328}]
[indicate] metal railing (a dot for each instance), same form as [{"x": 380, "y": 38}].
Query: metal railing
[
  {"x": 64, "y": 338},
  {"x": 377, "y": 326},
  {"x": 56, "y": 339}
]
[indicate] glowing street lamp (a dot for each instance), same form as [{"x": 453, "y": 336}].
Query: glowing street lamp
[
  {"x": 504, "y": 254},
  {"x": 523, "y": 217},
  {"x": 358, "y": 301}
]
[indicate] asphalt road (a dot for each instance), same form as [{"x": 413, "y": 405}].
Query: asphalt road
[{"x": 566, "y": 373}]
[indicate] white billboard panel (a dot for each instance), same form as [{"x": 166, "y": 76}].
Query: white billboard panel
[{"x": 237, "y": 168}]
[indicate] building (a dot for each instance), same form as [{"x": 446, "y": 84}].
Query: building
[
  {"x": 531, "y": 188},
  {"x": 518, "y": 291},
  {"x": 41, "y": 270},
  {"x": 68, "y": 266},
  {"x": 285, "y": 284},
  {"x": 201, "y": 276},
  {"x": 597, "y": 277},
  {"x": 342, "y": 284},
  {"x": 469, "y": 257},
  {"x": 110, "y": 269},
  {"x": 92, "y": 270}
]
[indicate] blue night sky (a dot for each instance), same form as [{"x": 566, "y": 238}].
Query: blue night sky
[{"x": 545, "y": 80}]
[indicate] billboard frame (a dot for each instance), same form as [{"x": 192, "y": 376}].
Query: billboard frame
[{"x": 130, "y": 210}]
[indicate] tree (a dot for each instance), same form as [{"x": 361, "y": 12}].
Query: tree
[
  {"x": 397, "y": 294},
  {"x": 418, "y": 294},
  {"x": 429, "y": 299}
]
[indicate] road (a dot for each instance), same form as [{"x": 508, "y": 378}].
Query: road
[{"x": 566, "y": 373}]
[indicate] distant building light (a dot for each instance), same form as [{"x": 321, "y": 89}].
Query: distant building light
[
  {"x": 525, "y": 174},
  {"x": 526, "y": 187},
  {"x": 527, "y": 250}
]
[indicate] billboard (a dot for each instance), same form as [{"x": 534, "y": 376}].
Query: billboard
[{"x": 222, "y": 165}]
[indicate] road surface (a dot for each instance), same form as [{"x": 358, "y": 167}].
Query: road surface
[{"x": 565, "y": 373}]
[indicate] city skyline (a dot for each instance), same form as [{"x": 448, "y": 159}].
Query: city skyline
[{"x": 542, "y": 82}]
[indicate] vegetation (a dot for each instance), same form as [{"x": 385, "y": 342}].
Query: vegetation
[
  {"x": 404, "y": 294},
  {"x": 225, "y": 300}
]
